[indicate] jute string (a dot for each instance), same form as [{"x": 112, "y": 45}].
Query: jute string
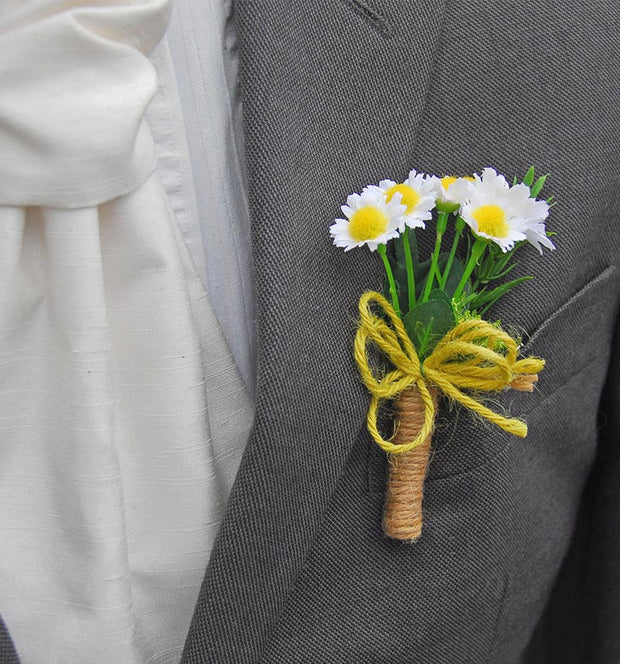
[
  {"x": 402, "y": 514},
  {"x": 473, "y": 355}
]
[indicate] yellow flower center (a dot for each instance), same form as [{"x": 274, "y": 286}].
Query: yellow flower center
[
  {"x": 469, "y": 178},
  {"x": 491, "y": 220},
  {"x": 447, "y": 181},
  {"x": 410, "y": 197},
  {"x": 367, "y": 223}
]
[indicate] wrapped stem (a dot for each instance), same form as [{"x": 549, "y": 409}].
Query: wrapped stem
[{"x": 402, "y": 514}]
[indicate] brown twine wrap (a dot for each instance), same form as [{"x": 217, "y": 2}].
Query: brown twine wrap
[{"x": 402, "y": 514}]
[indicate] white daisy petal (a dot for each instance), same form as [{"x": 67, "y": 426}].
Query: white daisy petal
[
  {"x": 452, "y": 191},
  {"x": 458, "y": 190},
  {"x": 530, "y": 208},
  {"x": 536, "y": 235},
  {"x": 496, "y": 180},
  {"x": 370, "y": 219},
  {"x": 520, "y": 192},
  {"x": 417, "y": 195},
  {"x": 505, "y": 214},
  {"x": 377, "y": 191},
  {"x": 490, "y": 220}
]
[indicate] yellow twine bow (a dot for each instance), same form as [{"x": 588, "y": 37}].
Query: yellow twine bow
[{"x": 466, "y": 357}]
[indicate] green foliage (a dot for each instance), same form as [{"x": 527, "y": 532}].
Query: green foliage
[
  {"x": 483, "y": 299},
  {"x": 396, "y": 255},
  {"x": 476, "y": 279},
  {"x": 494, "y": 265},
  {"x": 428, "y": 322},
  {"x": 529, "y": 177},
  {"x": 440, "y": 296},
  {"x": 538, "y": 185},
  {"x": 456, "y": 272},
  {"x": 535, "y": 186}
]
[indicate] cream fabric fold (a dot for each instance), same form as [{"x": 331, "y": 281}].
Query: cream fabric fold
[
  {"x": 122, "y": 413},
  {"x": 75, "y": 81},
  {"x": 110, "y": 483}
]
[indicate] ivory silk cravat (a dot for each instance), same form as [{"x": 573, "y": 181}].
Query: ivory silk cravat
[{"x": 123, "y": 412}]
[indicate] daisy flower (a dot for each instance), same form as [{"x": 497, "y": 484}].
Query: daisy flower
[
  {"x": 451, "y": 191},
  {"x": 371, "y": 219},
  {"x": 532, "y": 214},
  {"x": 417, "y": 195},
  {"x": 496, "y": 211}
]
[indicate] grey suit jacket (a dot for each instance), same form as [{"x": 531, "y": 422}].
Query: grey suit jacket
[{"x": 519, "y": 558}]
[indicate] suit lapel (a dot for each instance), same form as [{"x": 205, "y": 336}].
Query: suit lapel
[{"x": 324, "y": 114}]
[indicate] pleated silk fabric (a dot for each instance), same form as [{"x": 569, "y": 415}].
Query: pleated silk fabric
[{"x": 122, "y": 412}]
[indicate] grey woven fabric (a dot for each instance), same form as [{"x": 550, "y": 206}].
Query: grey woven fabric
[
  {"x": 516, "y": 562},
  {"x": 7, "y": 649}
]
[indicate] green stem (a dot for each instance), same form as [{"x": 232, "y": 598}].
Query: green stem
[
  {"x": 390, "y": 276},
  {"x": 476, "y": 252},
  {"x": 460, "y": 225},
  {"x": 442, "y": 222},
  {"x": 410, "y": 274}
]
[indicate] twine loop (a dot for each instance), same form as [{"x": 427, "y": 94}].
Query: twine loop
[{"x": 473, "y": 355}]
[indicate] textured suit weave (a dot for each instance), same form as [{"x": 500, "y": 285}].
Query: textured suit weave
[{"x": 341, "y": 94}]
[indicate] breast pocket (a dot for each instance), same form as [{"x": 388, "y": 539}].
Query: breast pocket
[{"x": 575, "y": 340}]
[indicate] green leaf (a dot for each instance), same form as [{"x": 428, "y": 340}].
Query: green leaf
[
  {"x": 503, "y": 273},
  {"x": 529, "y": 177},
  {"x": 454, "y": 278},
  {"x": 468, "y": 297},
  {"x": 421, "y": 269},
  {"x": 427, "y": 323},
  {"x": 488, "y": 299},
  {"x": 538, "y": 185},
  {"x": 438, "y": 295},
  {"x": 385, "y": 290},
  {"x": 399, "y": 265},
  {"x": 494, "y": 265},
  {"x": 400, "y": 252},
  {"x": 400, "y": 279},
  {"x": 421, "y": 274}
]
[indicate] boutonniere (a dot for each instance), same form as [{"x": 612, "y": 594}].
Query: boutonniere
[{"x": 428, "y": 324}]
